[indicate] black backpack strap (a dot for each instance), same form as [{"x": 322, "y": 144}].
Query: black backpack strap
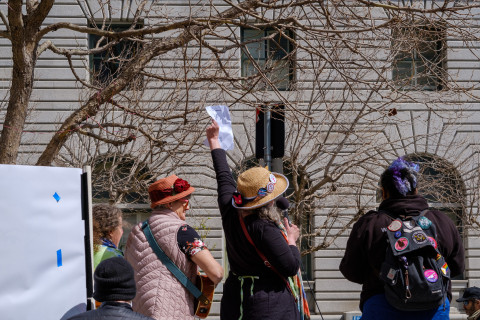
[{"x": 423, "y": 212}]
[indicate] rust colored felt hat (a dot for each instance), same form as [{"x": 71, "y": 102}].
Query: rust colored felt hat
[
  {"x": 168, "y": 190},
  {"x": 257, "y": 187}
]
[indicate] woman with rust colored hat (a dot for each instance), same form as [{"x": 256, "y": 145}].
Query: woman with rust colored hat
[
  {"x": 263, "y": 282},
  {"x": 159, "y": 294}
]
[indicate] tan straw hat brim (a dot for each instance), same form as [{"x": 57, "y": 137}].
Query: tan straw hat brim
[{"x": 280, "y": 187}]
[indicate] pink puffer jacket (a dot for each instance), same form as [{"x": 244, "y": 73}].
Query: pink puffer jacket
[{"x": 159, "y": 294}]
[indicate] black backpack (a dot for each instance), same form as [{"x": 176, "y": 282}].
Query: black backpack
[{"x": 416, "y": 275}]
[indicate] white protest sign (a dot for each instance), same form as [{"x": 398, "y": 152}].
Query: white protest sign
[
  {"x": 42, "y": 235},
  {"x": 221, "y": 114}
]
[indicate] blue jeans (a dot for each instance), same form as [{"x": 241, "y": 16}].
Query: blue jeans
[{"x": 377, "y": 308}]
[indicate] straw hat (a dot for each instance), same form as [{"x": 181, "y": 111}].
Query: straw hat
[
  {"x": 257, "y": 187},
  {"x": 168, "y": 190}
]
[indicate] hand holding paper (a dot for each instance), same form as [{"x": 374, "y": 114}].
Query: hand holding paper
[
  {"x": 225, "y": 135},
  {"x": 212, "y": 135}
]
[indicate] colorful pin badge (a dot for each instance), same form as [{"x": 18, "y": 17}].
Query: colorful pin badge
[
  {"x": 262, "y": 192},
  {"x": 401, "y": 244},
  {"x": 431, "y": 275},
  {"x": 433, "y": 242},
  {"x": 272, "y": 178},
  {"x": 445, "y": 268},
  {"x": 270, "y": 187},
  {"x": 419, "y": 237},
  {"x": 237, "y": 197},
  {"x": 424, "y": 223},
  {"x": 398, "y": 234},
  {"x": 395, "y": 225}
]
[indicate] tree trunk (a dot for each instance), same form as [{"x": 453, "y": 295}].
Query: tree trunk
[
  {"x": 23, "y": 30},
  {"x": 24, "y": 60}
]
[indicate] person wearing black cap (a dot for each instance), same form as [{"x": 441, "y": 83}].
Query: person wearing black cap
[
  {"x": 471, "y": 302},
  {"x": 114, "y": 286}
]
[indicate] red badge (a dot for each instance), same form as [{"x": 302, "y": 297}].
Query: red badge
[{"x": 237, "y": 198}]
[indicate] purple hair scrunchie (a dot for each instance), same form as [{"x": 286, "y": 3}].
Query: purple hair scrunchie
[{"x": 403, "y": 185}]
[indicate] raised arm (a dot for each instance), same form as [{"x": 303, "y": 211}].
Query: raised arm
[{"x": 225, "y": 184}]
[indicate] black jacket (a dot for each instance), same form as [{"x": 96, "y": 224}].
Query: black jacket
[
  {"x": 271, "y": 298},
  {"x": 111, "y": 310},
  {"x": 367, "y": 243}
]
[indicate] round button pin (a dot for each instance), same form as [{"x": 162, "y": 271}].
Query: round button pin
[
  {"x": 419, "y": 237},
  {"x": 431, "y": 275},
  {"x": 272, "y": 178},
  {"x": 401, "y": 244},
  {"x": 395, "y": 225}
]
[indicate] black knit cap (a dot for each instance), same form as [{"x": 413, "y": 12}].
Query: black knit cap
[{"x": 114, "y": 281}]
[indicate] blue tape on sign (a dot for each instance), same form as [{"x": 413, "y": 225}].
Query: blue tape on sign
[
  {"x": 356, "y": 317},
  {"x": 59, "y": 258},
  {"x": 56, "y": 196}
]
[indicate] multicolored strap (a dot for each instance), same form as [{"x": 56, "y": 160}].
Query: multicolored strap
[{"x": 297, "y": 285}]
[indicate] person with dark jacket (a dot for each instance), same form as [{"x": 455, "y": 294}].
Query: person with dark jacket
[
  {"x": 471, "y": 302},
  {"x": 252, "y": 289},
  {"x": 367, "y": 244},
  {"x": 114, "y": 286}
]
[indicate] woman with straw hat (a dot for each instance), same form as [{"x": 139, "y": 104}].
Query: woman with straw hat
[
  {"x": 159, "y": 294},
  {"x": 264, "y": 261}
]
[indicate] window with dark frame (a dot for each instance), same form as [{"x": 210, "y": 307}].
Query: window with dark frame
[
  {"x": 419, "y": 62},
  {"x": 277, "y": 131},
  {"x": 105, "y": 65},
  {"x": 271, "y": 52}
]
